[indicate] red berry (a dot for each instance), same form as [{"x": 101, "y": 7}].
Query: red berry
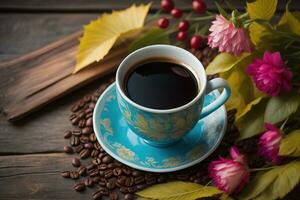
[
  {"x": 183, "y": 25},
  {"x": 181, "y": 35},
  {"x": 199, "y": 6},
  {"x": 176, "y": 12},
  {"x": 163, "y": 22},
  {"x": 196, "y": 42},
  {"x": 167, "y": 5}
]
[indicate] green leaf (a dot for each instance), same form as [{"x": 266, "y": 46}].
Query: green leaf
[
  {"x": 273, "y": 184},
  {"x": 252, "y": 123},
  {"x": 225, "y": 61},
  {"x": 281, "y": 107},
  {"x": 290, "y": 145},
  {"x": 290, "y": 21},
  {"x": 262, "y": 9},
  {"x": 179, "y": 190},
  {"x": 222, "y": 11},
  {"x": 256, "y": 31},
  {"x": 153, "y": 36}
]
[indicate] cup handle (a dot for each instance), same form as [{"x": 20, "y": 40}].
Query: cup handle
[{"x": 220, "y": 100}]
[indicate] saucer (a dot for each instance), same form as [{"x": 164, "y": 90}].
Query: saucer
[{"x": 125, "y": 146}]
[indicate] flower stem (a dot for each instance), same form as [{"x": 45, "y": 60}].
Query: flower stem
[
  {"x": 283, "y": 124},
  {"x": 261, "y": 169},
  {"x": 202, "y": 18}
]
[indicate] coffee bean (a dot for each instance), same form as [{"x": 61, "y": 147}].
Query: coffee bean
[
  {"x": 139, "y": 179},
  {"x": 93, "y": 137},
  {"x": 65, "y": 174},
  {"x": 68, "y": 149},
  {"x": 90, "y": 166},
  {"x": 76, "y": 132},
  {"x": 101, "y": 173},
  {"x": 74, "y": 175},
  {"x": 121, "y": 180},
  {"x": 81, "y": 114},
  {"x": 151, "y": 181},
  {"x": 88, "y": 110},
  {"x": 88, "y": 145},
  {"x": 128, "y": 197},
  {"x": 104, "y": 191},
  {"x": 72, "y": 117},
  {"x": 97, "y": 195},
  {"x": 124, "y": 190},
  {"x": 75, "y": 120},
  {"x": 82, "y": 170},
  {"x": 87, "y": 98},
  {"x": 108, "y": 173},
  {"x": 75, "y": 108},
  {"x": 117, "y": 171},
  {"x": 74, "y": 141},
  {"x": 126, "y": 171},
  {"x": 107, "y": 159},
  {"x": 137, "y": 173},
  {"x": 94, "y": 153},
  {"x": 96, "y": 179},
  {"x": 111, "y": 184},
  {"x": 84, "y": 153},
  {"x": 94, "y": 172},
  {"x": 113, "y": 195},
  {"x": 132, "y": 189},
  {"x": 88, "y": 182},
  {"x": 81, "y": 123},
  {"x": 79, "y": 187},
  {"x": 76, "y": 162},
  {"x": 84, "y": 139},
  {"x": 89, "y": 122},
  {"x": 111, "y": 165},
  {"x": 129, "y": 181},
  {"x": 97, "y": 146},
  {"x": 96, "y": 161},
  {"x": 102, "y": 167},
  {"x": 141, "y": 186},
  {"x": 101, "y": 155},
  {"x": 87, "y": 130},
  {"x": 89, "y": 115},
  {"x": 68, "y": 134},
  {"x": 92, "y": 105},
  {"x": 78, "y": 148},
  {"x": 102, "y": 182}
]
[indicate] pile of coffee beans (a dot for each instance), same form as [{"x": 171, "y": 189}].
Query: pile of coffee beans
[{"x": 112, "y": 179}]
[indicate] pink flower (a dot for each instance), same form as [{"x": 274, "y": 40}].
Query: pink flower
[
  {"x": 268, "y": 144},
  {"x": 270, "y": 74},
  {"x": 228, "y": 38},
  {"x": 230, "y": 175}
]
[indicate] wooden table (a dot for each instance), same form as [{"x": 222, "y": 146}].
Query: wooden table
[{"x": 31, "y": 155}]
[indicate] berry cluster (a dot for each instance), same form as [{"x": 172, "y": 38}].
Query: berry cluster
[{"x": 183, "y": 26}]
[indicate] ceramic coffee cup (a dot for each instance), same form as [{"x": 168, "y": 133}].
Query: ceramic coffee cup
[{"x": 164, "y": 127}]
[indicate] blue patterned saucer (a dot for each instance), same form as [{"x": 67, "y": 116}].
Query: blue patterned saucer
[{"x": 124, "y": 145}]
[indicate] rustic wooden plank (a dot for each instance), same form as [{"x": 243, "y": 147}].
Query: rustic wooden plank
[
  {"x": 43, "y": 130},
  {"x": 96, "y": 5},
  {"x": 37, "y": 177}
]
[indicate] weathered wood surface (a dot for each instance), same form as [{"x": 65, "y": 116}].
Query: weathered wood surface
[
  {"x": 37, "y": 177},
  {"x": 30, "y": 87},
  {"x": 39, "y": 137},
  {"x": 99, "y": 5}
]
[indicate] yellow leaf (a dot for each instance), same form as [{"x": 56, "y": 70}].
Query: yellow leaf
[
  {"x": 256, "y": 31},
  {"x": 273, "y": 184},
  {"x": 290, "y": 22},
  {"x": 290, "y": 145},
  {"x": 262, "y": 9},
  {"x": 248, "y": 107},
  {"x": 179, "y": 190},
  {"x": 225, "y": 61},
  {"x": 100, "y": 35}
]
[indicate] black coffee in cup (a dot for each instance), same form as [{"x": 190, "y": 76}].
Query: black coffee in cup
[{"x": 160, "y": 83}]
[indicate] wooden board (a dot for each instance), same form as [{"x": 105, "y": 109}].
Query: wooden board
[
  {"x": 47, "y": 75},
  {"x": 98, "y": 5}
]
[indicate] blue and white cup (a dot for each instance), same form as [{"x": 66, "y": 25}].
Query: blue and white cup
[{"x": 164, "y": 127}]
